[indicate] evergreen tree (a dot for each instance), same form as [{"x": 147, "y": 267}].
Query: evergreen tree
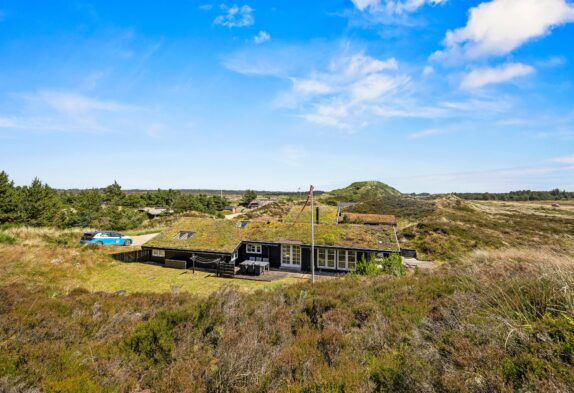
[
  {"x": 113, "y": 193},
  {"x": 40, "y": 204},
  {"x": 248, "y": 197},
  {"x": 9, "y": 200}
]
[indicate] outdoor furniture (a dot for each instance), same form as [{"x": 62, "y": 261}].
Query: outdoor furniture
[{"x": 254, "y": 267}]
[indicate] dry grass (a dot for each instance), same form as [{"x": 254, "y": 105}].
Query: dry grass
[
  {"x": 495, "y": 321},
  {"x": 54, "y": 261}
]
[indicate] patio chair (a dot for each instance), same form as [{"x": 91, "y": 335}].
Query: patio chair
[{"x": 258, "y": 259}]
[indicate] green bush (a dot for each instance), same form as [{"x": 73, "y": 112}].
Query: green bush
[
  {"x": 393, "y": 264},
  {"x": 153, "y": 341},
  {"x": 7, "y": 239},
  {"x": 367, "y": 266}
]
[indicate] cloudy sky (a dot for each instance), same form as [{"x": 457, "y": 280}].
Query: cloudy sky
[{"x": 426, "y": 95}]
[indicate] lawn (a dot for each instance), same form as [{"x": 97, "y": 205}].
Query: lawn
[
  {"x": 52, "y": 260},
  {"x": 137, "y": 277}
]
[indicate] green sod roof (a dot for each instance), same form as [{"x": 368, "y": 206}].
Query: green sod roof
[{"x": 218, "y": 235}]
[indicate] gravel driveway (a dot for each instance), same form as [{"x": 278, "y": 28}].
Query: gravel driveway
[{"x": 139, "y": 240}]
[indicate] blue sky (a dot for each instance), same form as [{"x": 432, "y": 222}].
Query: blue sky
[{"x": 426, "y": 95}]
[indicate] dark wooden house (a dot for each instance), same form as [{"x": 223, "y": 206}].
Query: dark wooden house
[{"x": 338, "y": 247}]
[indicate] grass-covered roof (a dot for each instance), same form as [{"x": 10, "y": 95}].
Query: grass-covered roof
[{"x": 218, "y": 235}]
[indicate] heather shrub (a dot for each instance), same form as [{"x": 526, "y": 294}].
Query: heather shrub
[
  {"x": 393, "y": 265},
  {"x": 7, "y": 239},
  {"x": 367, "y": 266}
]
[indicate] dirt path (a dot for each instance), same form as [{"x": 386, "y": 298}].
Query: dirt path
[
  {"x": 232, "y": 216},
  {"x": 411, "y": 263},
  {"x": 139, "y": 240}
]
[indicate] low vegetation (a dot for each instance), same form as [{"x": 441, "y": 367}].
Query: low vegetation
[
  {"x": 524, "y": 195},
  {"x": 499, "y": 316},
  {"x": 458, "y": 227},
  {"x": 359, "y": 192},
  {"x": 51, "y": 261},
  {"x": 403, "y": 206},
  {"x": 495, "y": 321}
]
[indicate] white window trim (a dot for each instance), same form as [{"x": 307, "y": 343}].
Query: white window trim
[
  {"x": 291, "y": 255},
  {"x": 158, "y": 253},
  {"x": 258, "y": 249},
  {"x": 329, "y": 254},
  {"x": 347, "y": 253}
]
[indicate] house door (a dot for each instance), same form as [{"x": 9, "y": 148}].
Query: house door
[{"x": 290, "y": 256}]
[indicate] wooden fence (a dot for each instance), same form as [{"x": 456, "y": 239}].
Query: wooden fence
[{"x": 133, "y": 256}]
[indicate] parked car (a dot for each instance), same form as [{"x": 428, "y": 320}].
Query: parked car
[{"x": 106, "y": 237}]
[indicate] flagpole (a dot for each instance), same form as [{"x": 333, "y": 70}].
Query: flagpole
[{"x": 312, "y": 238}]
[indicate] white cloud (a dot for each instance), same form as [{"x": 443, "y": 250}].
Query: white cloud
[
  {"x": 564, "y": 160},
  {"x": 330, "y": 115},
  {"x": 65, "y": 111},
  {"x": 262, "y": 37},
  {"x": 311, "y": 86},
  {"x": 235, "y": 16},
  {"x": 480, "y": 77},
  {"x": 360, "y": 64},
  {"x": 341, "y": 94},
  {"x": 500, "y": 26},
  {"x": 362, "y": 5},
  {"x": 72, "y": 103},
  {"x": 205, "y": 7},
  {"x": 428, "y": 70},
  {"x": 427, "y": 133},
  {"x": 393, "y": 6},
  {"x": 375, "y": 86}
]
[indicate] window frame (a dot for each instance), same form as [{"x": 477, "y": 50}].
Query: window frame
[
  {"x": 158, "y": 253},
  {"x": 347, "y": 254},
  {"x": 256, "y": 246},
  {"x": 326, "y": 256}
]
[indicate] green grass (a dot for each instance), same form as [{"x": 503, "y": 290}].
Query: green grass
[
  {"x": 327, "y": 214},
  {"x": 58, "y": 269},
  {"x": 360, "y": 191},
  {"x": 136, "y": 277}
]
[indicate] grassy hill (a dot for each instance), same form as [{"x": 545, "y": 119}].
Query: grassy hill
[
  {"x": 401, "y": 206},
  {"x": 449, "y": 227},
  {"x": 361, "y": 191}
]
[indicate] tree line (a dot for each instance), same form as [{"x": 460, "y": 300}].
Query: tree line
[
  {"x": 109, "y": 208},
  {"x": 522, "y": 195}
]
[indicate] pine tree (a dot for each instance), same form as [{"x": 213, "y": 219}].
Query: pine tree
[
  {"x": 40, "y": 204},
  {"x": 9, "y": 200},
  {"x": 113, "y": 193}
]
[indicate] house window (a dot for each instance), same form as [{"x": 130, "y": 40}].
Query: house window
[
  {"x": 346, "y": 260},
  {"x": 253, "y": 248},
  {"x": 158, "y": 253},
  {"x": 183, "y": 235},
  {"x": 326, "y": 258},
  {"x": 290, "y": 255}
]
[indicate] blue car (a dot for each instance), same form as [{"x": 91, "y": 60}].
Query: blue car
[{"x": 106, "y": 237}]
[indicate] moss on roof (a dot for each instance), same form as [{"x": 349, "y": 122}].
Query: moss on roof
[
  {"x": 371, "y": 218},
  {"x": 219, "y": 235}
]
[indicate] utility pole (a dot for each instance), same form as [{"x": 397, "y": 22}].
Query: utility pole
[{"x": 312, "y": 238}]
